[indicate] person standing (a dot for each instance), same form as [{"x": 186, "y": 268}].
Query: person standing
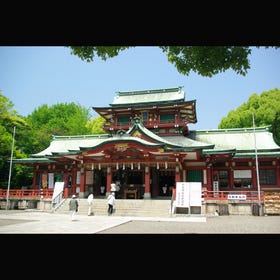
[
  {"x": 102, "y": 190},
  {"x": 113, "y": 188},
  {"x": 164, "y": 189},
  {"x": 111, "y": 202},
  {"x": 73, "y": 207},
  {"x": 90, "y": 204}
]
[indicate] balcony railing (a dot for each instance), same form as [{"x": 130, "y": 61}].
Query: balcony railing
[{"x": 27, "y": 194}]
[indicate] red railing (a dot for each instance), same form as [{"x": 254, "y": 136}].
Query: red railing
[
  {"x": 27, "y": 194},
  {"x": 231, "y": 195},
  {"x": 207, "y": 195}
]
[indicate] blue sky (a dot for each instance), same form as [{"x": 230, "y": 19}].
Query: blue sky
[{"x": 33, "y": 76}]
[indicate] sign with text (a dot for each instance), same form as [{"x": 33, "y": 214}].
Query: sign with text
[
  {"x": 188, "y": 194},
  {"x": 182, "y": 194},
  {"x": 58, "y": 188},
  {"x": 237, "y": 196},
  {"x": 195, "y": 194}
]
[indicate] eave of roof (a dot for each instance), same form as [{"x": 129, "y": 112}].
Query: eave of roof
[
  {"x": 33, "y": 160},
  {"x": 262, "y": 154}
]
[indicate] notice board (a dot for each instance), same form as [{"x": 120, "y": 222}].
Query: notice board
[{"x": 188, "y": 194}]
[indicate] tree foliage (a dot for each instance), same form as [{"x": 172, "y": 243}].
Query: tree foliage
[
  {"x": 34, "y": 133},
  {"x": 58, "y": 119},
  {"x": 96, "y": 125},
  {"x": 8, "y": 120},
  {"x": 203, "y": 60},
  {"x": 266, "y": 110}
]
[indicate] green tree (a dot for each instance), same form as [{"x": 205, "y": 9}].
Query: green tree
[
  {"x": 96, "y": 125},
  {"x": 8, "y": 120},
  {"x": 34, "y": 133},
  {"x": 266, "y": 110},
  {"x": 203, "y": 60},
  {"x": 58, "y": 119}
]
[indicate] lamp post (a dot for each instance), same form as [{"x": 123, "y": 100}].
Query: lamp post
[
  {"x": 10, "y": 171},
  {"x": 257, "y": 167}
]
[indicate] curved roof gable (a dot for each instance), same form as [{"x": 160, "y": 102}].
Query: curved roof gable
[{"x": 139, "y": 130}]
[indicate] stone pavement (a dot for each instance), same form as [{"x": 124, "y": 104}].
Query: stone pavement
[{"x": 38, "y": 222}]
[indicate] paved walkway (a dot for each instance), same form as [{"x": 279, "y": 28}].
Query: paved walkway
[{"x": 37, "y": 222}]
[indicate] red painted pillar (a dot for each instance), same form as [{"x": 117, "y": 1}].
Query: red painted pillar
[
  {"x": 109, "y": 182},
  {"x": 66, "y": 192},
  {"x": 34, "y": 180},
  {"x": 277, "y": 175},
  {"x": 177, "y": 174},
  {"x": 147, "y": 182},
  {"x": 83, "y": 182},
  {"x": 254, "y": 179},
  {"x": 209, "y": 176}
]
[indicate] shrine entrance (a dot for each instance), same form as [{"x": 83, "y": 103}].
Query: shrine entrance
[{"x": 131, "y": 183}]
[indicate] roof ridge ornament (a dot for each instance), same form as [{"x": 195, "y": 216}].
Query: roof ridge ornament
[
  {"x": 137, "y": 119},
  {"x": 121, "y": 132}
]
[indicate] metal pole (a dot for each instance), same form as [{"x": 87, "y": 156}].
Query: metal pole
[
  {"x": 10, "y": 171},
  {"x": 257, "y": 166}
]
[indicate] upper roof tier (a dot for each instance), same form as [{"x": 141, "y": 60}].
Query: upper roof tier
[{"x": 168, "y": 95}]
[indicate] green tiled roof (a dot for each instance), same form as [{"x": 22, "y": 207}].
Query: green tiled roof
[
  {"x": 239, "y": 142},
  {"x": 149, "y": 96},
  {"x": 241, "y": 139},
  {"x": 66, "y": 144}
]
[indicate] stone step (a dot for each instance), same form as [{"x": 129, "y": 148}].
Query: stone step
[{"x": 123, "y": 207}]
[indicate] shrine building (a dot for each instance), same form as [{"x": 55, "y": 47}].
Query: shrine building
[{"x": 148, "y": 147}]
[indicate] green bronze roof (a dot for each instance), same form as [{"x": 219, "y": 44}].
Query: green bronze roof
[
  {"x": 238, "y": 142},
  {"x": 149, "y": 96},
  {"x": 244, "y": 140}
]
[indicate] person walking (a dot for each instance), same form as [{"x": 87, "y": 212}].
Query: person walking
[
  {"x": 90, "y": 204},
  {"x": 73, "y": 207},
  {"x": 111, "y": 202}
]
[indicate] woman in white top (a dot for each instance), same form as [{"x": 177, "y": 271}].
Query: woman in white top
[
  {"x": 111, "y": 202},
  {"x": 90, "y": 202}
]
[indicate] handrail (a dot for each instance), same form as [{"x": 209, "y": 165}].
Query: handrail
[
  {"x": 56, "y": 201},
  {"x": 27, "y": 194},
  {"x": 173, "y": 198}
]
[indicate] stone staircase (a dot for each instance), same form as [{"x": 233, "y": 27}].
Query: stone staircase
[{"x": 123, "y": 207}]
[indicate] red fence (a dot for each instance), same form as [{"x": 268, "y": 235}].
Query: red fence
[
  {"x": 207, "y": 195},
  {"x": 27, "y": 194},
  {"x": 231, "y": 195}
]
